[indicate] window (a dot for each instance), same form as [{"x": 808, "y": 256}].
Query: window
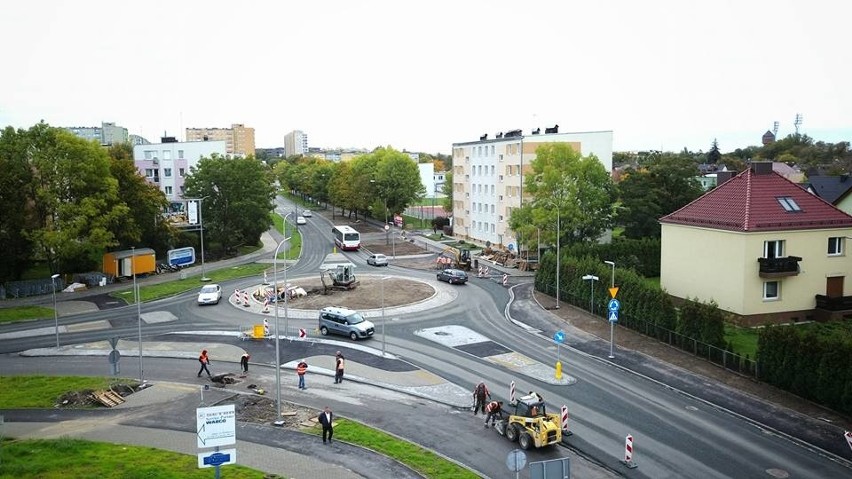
[
  {"x": 180, "y": 154},
  {"x": 773, "y": 249},
  {"x": 149, "y": 173},
  {"x": 492, "y": 149},
  {"x": 182, "y": 172},
  {"x": 835, "y": 246},
  {"x": 167, "y": 154},
  {"x": 149, "y": 155},
  {"x": 789, "y": 204},
  {"x": 501, "y": 157},
  {"x": 771, "y": 290},
  {"x": 500, "y": 218},
  {"x": 167, "y": 172},
  {"x": 168, "y": 190}
]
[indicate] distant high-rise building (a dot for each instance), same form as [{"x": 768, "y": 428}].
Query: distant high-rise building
[
  {"x": 106, "y": 134},
  {"x": 239, "y": 139},
  {"x": 295, "y": 143}
]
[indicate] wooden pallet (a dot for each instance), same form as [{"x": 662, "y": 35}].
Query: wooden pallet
[{"x": 107, "y": 398}]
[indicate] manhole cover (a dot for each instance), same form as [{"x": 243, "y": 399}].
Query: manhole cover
[
  {"x": 441, "y": 333},
  {"x": 779, "y": 473}
]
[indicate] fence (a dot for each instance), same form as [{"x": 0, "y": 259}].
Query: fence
[
  {"x": 726, "y": 359},
  {"x": 30, "y": 287}
]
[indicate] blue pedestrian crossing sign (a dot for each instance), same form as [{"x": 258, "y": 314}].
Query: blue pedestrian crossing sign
[
  {"x": 613, "y": 316},
  {"x": 559, "y": 336},
  {"x": 613, "y": 304}
]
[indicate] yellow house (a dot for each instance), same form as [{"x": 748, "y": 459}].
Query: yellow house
[{"x": 761, "y": 247}]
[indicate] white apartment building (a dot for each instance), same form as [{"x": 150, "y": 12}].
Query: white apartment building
[
  {"x": 166, "y": 164},
  {"x": 488, "y": 179},
  {"x": 295, "y": 143}
]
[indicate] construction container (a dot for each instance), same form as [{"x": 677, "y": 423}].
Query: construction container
[{"x": 126, "y": 263}]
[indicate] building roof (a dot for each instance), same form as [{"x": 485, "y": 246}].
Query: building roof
[
  {"x": 830, "y": 188},
  {"x": 763, "y": 201}
]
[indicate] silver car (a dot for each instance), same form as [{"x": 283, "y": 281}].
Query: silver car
[
  {"x": 346, "y": 322},
  {"x": 210, "y": 294},
  {"x": 377, "y": 260}
]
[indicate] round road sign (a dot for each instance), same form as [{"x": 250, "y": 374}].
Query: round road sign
[{"x": 516, "y": 460}]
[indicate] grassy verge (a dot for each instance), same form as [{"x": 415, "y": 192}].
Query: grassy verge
[
  {"x": 165, "y": 290},
  {"x": 295, "y": 247},
  {"x": 75, "y": 458},
  {"x": 9, "y": 315},
  {"x": 743, "y": 340},
  {"x": 65, "y": 457}
]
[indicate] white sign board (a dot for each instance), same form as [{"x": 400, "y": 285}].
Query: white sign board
[
  {"x": 217, "y": 458},
  {"x": 216, "y": 426}
]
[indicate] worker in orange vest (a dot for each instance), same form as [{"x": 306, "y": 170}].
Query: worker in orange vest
[
  {"x": 205, "y": 361},
  {"x": 301, "y": 369},
  {"x": 492, "y": 410}
]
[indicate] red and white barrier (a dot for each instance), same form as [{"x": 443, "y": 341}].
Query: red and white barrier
[
  {"x": 848, "y": 436},
  {"x": 505, "y": 279},
  {"x": 246, "y": 299},
  {"x": 628, "y": 452},
  {"x": 485, "y": 271},
  {"x": 266, "y": 306},
  {"x": 512, "y": 393},
  {"x": 565, "y": 430},
  {"x": 237, "y": 297}
]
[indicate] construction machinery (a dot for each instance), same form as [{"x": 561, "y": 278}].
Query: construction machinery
[
  {"x": 460, "y": 257},
  {"x": 530, "y": 424}
]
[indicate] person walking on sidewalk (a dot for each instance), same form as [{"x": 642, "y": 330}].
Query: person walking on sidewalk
[
  {"x": 492, "y": 410},
  {"x": 301, "y": 369},
  {"x": 480, "y": 395},
  {"x": 205, "y": 361},
  {"x": 338, "y": 370},
  {"x": 244, "y": 359},
  {"x": 326, "y": 418}
]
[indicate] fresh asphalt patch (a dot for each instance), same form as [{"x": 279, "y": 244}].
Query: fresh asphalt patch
[{"x": 484, "y": 349}]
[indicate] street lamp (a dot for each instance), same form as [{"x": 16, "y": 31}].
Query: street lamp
[
  {"x": 383, "y": 313},
  {"x": 201, "y": 222},
  {"x": 55, "y": 313},
  {"x": 611, "y": 322},
  {"x": 557, "y": 257},
  {"x": 138, "y": 306},
  {"x": 275, "y": 290},
  {"x": 593, "y": 278}
]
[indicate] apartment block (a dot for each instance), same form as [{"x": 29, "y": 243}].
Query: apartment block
[
  {"x": 106, "y": 134},
  {"x": 166, "y": 164},
  {"x": 295, "y": 143},
  {"x": 488, "y": 178},
  {"x": 239, "y": 139}
]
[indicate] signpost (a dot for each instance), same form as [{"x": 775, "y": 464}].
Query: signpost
[
  {"x": 558, "y": 338},
  {"x": 216, "y": 426},
  {"x": 515, "y": 461},
  {"x": 613, "y": 306}
]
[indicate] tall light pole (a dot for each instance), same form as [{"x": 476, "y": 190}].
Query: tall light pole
[
  {"x": 558, "y": 240},
  {"x": 55, "y": 313},
  {"x": 275, "y": 290},
  {"x": 383, "y": 313},
  {"x": 138, "y": 307},
  {"x": 592, "y": 278},
  {"x": 612, "y": 323},
  {"x": 201, "y": 222}
]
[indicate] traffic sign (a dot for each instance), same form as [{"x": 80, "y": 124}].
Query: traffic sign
[
  {"x": 613, "y": 316},
  {"x": 613, "y": 304},
  {"x": 217, "y": 458},
  {"x": 216, "y": 426},
  {"x": 516, "y": 460},
  {"x": 559, "y": 336},
  {"x": 613, "y": 291}
]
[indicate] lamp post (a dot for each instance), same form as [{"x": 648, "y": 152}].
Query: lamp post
[
  {"x": 557, "y": 257},
  {"x": 611, "y": 323},
  {"x": 138, "y": 306},
  {"x": 55, "y": 313},
  {"x": 592, "y": 278},
  {"x": 383, "y": 313},
  {"x": 275, "y": 290},
  {"x": 201, "y": 223}
]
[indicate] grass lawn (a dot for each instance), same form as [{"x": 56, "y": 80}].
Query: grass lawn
[
  {"x": 295, "y": 247},
  {"x": 63, "y": 458},
  {"x": 164, "y": 290},
  {"x": 9, "y": 315},
  {"x": 743, "y": 340}
]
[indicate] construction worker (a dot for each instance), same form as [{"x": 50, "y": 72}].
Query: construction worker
[
  {"x": 340, "y": 362},
  {"x": 480, "y": 395},
  {"x": 205, "y": 361},
  {"x": 244, "y": 360},
  {"x": 301, "y": 369},
  {"x": 492, "y": 410}
]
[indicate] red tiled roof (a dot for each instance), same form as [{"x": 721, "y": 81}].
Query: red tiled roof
[{"x": 749, "y": 202}]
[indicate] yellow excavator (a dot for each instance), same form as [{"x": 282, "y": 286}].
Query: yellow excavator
[
  {"x": 460, "y": 257},
  {"x": 530, "y": 424}
]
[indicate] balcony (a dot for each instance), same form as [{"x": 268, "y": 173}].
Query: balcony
[
  {"x": 779, "y": 267},
  {"x": 840, "y": 303}
]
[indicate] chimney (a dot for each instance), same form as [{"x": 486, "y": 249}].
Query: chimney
[
  {"x": 761, "y": 167},
  {"x": 723, "y": 176}
]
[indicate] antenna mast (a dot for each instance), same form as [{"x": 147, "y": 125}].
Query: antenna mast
[{"x": 798, "y": 122}]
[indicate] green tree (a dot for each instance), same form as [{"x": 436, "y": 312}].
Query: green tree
[
  {"x": 397, "y": 179},
  {"x": 578, "y": 187},
  {"x": 238, "y": 196},
  {"x": 16, "y": 205},
  {"x": 714, "y": 155},
  {"x": 447, "y": 191},
  {"x": 75, "y": 199},
  {"x": 145, "y": 225},
  {"x": 666, "y": 183}
]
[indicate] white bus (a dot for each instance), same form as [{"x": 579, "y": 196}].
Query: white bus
[{"x": 346, "y": 238}]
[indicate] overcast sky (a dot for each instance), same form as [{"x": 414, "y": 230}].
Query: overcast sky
[{"x": 422, "y": 75}]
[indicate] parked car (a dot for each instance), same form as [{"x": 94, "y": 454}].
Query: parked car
[
  {"x": 307, "y": 213},
  {"x": 300, "y": 220},
  {"x": 346, "y": 322},
  {"x": 209, "y": 294},
  {"x": 377, "y": 260},
  {"x": 453, "y": 276}
]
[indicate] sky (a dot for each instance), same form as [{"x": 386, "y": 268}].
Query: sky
[{"x": 420, "y": 76}]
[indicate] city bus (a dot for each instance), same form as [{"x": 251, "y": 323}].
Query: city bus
[{"x": 346, "y": 238}]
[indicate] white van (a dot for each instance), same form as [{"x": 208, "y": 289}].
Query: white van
[{"x": 346, "y": 322}]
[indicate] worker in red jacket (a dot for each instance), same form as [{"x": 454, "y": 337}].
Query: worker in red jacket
[
  {"x": 301, "y": 369},
  {"x": 480, "y": 395},
  {"x": 492, "y": 410}
]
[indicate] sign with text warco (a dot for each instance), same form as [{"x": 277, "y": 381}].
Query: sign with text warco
[{"x": 216, "y": 426}]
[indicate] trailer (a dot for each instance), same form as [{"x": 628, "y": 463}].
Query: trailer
[{"x": 128, "y": 262}]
